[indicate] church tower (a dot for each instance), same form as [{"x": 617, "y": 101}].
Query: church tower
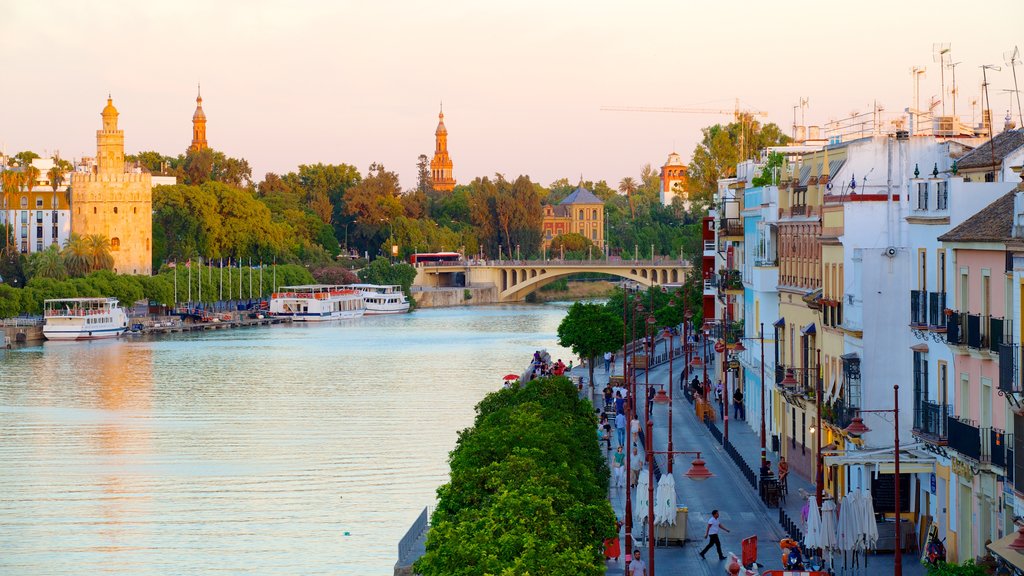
[
  {"x": 199, "y": 126},
  {"x": 115, "y": 202},
  {"x": 441, "y": 165}
]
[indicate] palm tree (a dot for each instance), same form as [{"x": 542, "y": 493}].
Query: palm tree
[
  {"x": 628, "y": 186},
  {"x": 76, "y": 255},
  {"x": 48, "y": 264},
  {"x": 29, "y": 175},
  {"x": 99, "y": 252}
]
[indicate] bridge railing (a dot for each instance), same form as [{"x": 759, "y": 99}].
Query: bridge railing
[{"x": 556, "y": 262}]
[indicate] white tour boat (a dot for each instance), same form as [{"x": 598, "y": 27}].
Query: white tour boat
[
  {"x": 383, "y": 299},
  {"x": 83, "y": 318},
  {"x": 317, "y": 302}
]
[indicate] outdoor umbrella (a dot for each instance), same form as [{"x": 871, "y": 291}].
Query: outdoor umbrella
[
  {"x": 640, "y": 501},
  {"x": 869, "y": 527},
  {"x": 828, "y": 526},
  {"x": 846, "y": 532},
  {"x": 511, "y": 377},
  {"x": 812, "y": 538},
  {"x": 665, "y": 500}
]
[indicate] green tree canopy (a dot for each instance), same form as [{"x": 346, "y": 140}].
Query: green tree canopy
[{"x": 590, "y": 330}]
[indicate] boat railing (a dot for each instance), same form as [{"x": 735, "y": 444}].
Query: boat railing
[
  {"x": 76, "y": 312},
  {"x": 313, "y": 295}
]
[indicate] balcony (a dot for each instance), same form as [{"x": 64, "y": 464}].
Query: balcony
[
  {"x": 936, "y": 310},
  {"x": 709, "y": 247},
  {"x": 993, "y": 446},
  {"x": 1009, "y": 372},
  {"x": 730, "y": 281},
  {"x": 839, "y": 413},
  {"x": 930, "y": 421},
  {"x": 964, "y": 437},
  {"x": 977, "y": 332},
  {"x": 955, "y": 328},
  {"x": 800, "y": 210},
  {"x": 918, "y": 308},
  {"x": 730, "y": 226}
]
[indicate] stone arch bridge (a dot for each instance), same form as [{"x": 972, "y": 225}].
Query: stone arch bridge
[{"x": 515, "y": 279}]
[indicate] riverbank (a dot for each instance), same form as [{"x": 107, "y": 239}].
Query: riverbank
[{"x": 575, "y": 291}]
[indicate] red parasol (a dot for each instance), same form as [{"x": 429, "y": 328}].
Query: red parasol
[{"x": 511, "y": 377}]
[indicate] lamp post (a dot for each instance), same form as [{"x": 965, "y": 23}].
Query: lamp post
[
  {"x": 697, "y": 471},
  {"x": 630, "y": 413},
  {"x": 857, "y": 429},
  {"x": 649, "y": 341}
]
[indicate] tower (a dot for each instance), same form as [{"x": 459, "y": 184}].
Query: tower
[
  {"x": 673, "y": 180},
  {"x": 114, "y": 202},
  {"x": 199, "y": 125},
  {"x": 441, "y": 165}
]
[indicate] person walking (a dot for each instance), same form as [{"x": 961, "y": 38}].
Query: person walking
[
  {"x": 637, "y": 566},
  {"x": 607, "y": 362},
  {"x": 619, "y": 467},
  {"x": 620, "y": 429},
  {"x": 620, "y": 403},
  {"x": 636, "y": 462},
  {"x": 711, "y": 533}
]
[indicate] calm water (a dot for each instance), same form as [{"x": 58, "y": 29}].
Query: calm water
[{"x": 283, "y": 450}]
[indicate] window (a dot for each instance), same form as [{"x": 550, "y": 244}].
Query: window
[
  {"x": 965, "y": 287},
  {"x": 593, "y": 234},
  {"x": 115, "y": 244},
  {"x": 940, "y": 271},
  {"x": 115, "y": 209},
  {"x": 39, "y": 201},
  {"x": 922, "y": 269},
  {"x": 942, "y": 195},
  {"x": 594, "y": 215},
  {"x": 93, "y": 209},
  {"x": 24, "y": 202},
  {"x": 922, "y": 195},
  {"x": 943, "y": 382},
  {"x": 964, "y": 396},
  {"x": 581, "y": 215}
]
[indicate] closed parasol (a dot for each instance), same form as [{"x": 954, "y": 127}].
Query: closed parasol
[{"x": 665, "y": 501}]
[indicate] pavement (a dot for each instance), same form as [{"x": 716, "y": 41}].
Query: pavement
[{"x": 740, "y": 507}]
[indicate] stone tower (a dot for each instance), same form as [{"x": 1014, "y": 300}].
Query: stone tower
[
  {"x": 441, "y": 165},
  {"x": 115, "y": 203},
  {"x": 199, "y": 125}
]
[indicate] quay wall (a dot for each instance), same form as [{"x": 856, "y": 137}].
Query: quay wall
[
  {"x": 455, "y": 296},
  {"x": 22, "y": 334}
]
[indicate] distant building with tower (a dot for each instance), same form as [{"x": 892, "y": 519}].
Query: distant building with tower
[
  {"x": 673, "y": 180},
  {"x": 441, "y": 165},
  {"x": 115, "y": 201},
  {"x": 199, "y": 125},
  {"x": 581, "y": 212}
]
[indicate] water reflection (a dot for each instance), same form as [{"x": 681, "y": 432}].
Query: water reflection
[{"x": 226, "y": 450}]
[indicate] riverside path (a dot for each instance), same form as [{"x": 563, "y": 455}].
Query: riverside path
[{"x": 741, "y": 509}]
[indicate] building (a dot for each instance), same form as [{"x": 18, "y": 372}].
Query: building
[
  {"x": 992, "y": 161},
  {"x": 673, "y": 181},
  {"x": 39, "y": 214},
  {"x": 115, "y": 202},
  {"x": 199, "y": 126},
  {"x": 441, "y": 165},
  {"x": 580, "y": 212}
]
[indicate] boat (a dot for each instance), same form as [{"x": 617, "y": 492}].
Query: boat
[
  {"x": 317, "y": 302},
  {"x": 83, "y": 318},
  {"x": 382, "y": 299}
]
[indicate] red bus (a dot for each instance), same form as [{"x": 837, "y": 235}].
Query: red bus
[{"x": 434, "y": 257}]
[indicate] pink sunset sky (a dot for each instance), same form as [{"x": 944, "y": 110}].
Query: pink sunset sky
[{"x": 287, "y": 83}]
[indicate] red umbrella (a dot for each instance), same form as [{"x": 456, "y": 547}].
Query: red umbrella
[{"x": 511, "y": 377}]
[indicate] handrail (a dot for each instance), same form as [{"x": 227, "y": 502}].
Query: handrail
[
  {"x": 597, "y": 263},
  {"x": 413, "y": 534}
]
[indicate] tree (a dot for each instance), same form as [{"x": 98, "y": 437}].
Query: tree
[
  {"x": 506, "y": 214},
  {"x": 47, "y": 264},
  {"x": 11, "y": 182},
  {"x": 24, "y": 158},
  {"x": 56, "y": 173},
  {"x": 373, "y": 204},
  {"x": 590, "y": 330},
  {"x": 628, "y": 186},
  {"x": 423, "y": 180},
  {"x": 383, "y": 272},
  {"x": 98, "y": 247},
  {"x": 574, "y": 244},
  {"x": 29, "y": 177},
  {"x": 77, "y": 260}
]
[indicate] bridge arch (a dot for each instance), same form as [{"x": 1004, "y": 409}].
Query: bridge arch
[{"x": 535, "y": 278}]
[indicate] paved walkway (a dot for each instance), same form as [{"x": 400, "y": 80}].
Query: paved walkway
[{"x": 741, "y": 509}]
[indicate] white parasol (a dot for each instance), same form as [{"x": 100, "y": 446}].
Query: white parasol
[
  {"x": 640, "y": 502},
  {"x": 846, "y": 531},
  {"x": 812, "y": 539},
  {"x": 665, "y": 501},
  {"x": 828, "y": 525},
  {"x": 869, "y": 529}
]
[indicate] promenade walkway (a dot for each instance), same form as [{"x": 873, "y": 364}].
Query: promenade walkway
[{"x": 729, "y": 491}]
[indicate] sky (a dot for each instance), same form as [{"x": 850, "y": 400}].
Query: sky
[{"x": 522, "y": 82}]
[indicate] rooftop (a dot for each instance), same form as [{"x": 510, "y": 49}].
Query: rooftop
[
  {"x": 581, "y": 196},
  {"x": 1004, "y": 144},
  {"x": 991, "y": 224}
]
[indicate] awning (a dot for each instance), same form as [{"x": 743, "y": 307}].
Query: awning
[
  {"x": 880, "y": 460},
  {"x": 1001, "y": 549},
  {"x": 780, "y": 323},
  {"x": 809, "y": 329}
]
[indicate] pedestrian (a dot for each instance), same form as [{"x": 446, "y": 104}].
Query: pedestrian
[
  {"x": 611, "y": 545},
  {"x": 738, "y": 409},
  {"x": 620, "y": 403},
  {"x": 783, "y": 474},
  {"x": 637, "y": 566},
  {"x": 711, "y": 533},
  {"x": 620, "y": 428},
  {"x": 698, "y": 390},
  {"x": 608, "y": 398},
  {"x": 607, "y": 426},
  {"x": 607, "y": 362},
  {"x": 635, "y": 464},
  {"x": 619, "y": 467}
]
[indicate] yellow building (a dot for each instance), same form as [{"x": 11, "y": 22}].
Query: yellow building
[
  {"x": 199, "y": 126},
  {"x": 115, "y": 203},
  {"x": 441, "y": 165},
  {"x": 581, "y": 212}
]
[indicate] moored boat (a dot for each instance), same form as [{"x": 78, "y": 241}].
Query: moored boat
[
  {"x": 317, "y": 302},
  {"x": 83, "y": 318},
  {"x": 382, "y": 299}
]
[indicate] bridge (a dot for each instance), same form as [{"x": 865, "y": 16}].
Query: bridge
[{"x": 514, "y": 279}]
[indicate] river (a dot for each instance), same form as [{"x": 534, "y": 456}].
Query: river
[{"x": 302, "y": 449}]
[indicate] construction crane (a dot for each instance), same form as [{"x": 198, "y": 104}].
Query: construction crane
[{"x": 737, "y": 113}]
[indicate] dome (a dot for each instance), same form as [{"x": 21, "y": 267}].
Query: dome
[
  {"x": 440, "y": 125},
  {"x": 674, "y": 160},
  {"x": 109, "y": 109},
  {"x": 199, "y": 114}
]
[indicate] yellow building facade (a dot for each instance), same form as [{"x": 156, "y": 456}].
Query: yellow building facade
[
  {"x": 114, "y": 202},
  {"x": 581, "y": 212}
]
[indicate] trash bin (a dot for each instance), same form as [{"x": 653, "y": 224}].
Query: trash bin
[{"x": 676, "y": 533}]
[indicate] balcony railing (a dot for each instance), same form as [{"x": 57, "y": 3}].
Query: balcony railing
[
  {"x": 955, "y": 328},
  {"x": 730, "y": 226},
  {"x": 930, "y": 420},
  {"x": 1009, "y": 371},
  {"x": 800, "y": 210},
  {"x": 936, "y": 309},
  {"x": 975, "y": 337},
  {"x": 977, "y": 331},
  {"x": 730, "y": 280},
  {"x": 918, "y": 308},
  {"x": 964, "y": 437},
  {"x": 709, "y": 245},
  {"x": 993, "y": 446},
  {"x": 839, "y": 413}
]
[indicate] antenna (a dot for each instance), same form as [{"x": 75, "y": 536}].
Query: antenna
[
  {"x": 987, "y": 104},
  {"x": 952, "y": 66},
  {"x": 1012, "y": 59},
  {"x": 917, "y": 72},
  {"x": 940, "y": 54}
]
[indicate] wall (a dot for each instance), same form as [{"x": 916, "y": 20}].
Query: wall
[{"x": 441, "y": 297}]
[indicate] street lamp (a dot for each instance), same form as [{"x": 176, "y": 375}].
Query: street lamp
[
  {"x": 858, "y": 429},
  {"x": 697, "y": 471}
]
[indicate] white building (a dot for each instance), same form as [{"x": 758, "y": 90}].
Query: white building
[{"x": 40, "y": 215}]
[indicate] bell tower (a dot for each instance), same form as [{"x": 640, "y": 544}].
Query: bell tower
[
  {"x": 109, "y": 142},
  {"x": 441, "y": 165},
  {"x": 199, "y": 125}
]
